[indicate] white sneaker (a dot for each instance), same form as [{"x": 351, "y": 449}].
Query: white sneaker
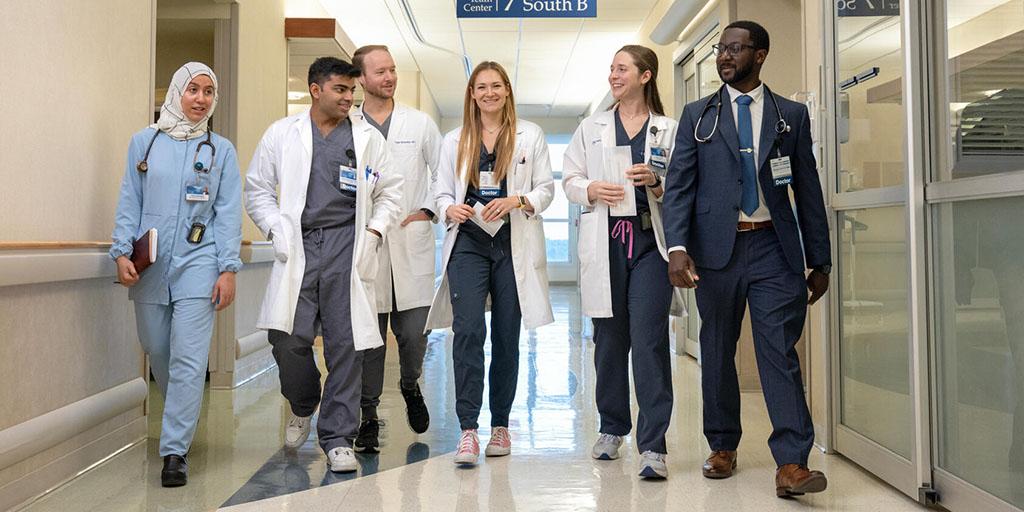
[
  {"x": 652, "y": 465},
  {"x": 342, "y": 460},
  {"x": 606, "y": 447},
  {"x": 297, "y": 431}
]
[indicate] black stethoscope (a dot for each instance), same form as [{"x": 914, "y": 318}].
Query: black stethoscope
[
  {"x": 781, "y": 126},
  {"x": 197, "y": 165}
]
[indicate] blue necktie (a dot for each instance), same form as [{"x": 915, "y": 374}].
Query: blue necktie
[{"x": 749, "y": 201}]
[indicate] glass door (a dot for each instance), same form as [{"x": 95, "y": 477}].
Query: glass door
[
  {"x": 975, "y": 196},
  {"x": 873, "y": 351}
]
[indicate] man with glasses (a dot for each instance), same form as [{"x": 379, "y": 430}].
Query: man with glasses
[{"x": 735, "y": 237}]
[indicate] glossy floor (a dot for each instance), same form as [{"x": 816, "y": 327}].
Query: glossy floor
[{"x": 237, "y": 461}]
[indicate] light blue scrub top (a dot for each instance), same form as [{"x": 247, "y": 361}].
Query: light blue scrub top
[{"x": 157, "y": 199}]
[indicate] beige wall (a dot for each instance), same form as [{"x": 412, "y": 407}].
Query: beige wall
[
  {"x": 262, "y": 79},
  {"x": 427, "y": 103},
  {"x": 72, "y": 92},
  {"x": 408, "y": 91},
  {"x": 783, "y": 71}
]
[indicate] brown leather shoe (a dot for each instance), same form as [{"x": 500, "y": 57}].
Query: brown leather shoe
[
  {"x": 720, "y": 464},
  {"x": 797, "y": 480}
]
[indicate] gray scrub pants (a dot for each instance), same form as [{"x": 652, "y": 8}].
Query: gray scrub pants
[
  {"x": 412, "y": 345},
  {"x": 323, "y": 303}
]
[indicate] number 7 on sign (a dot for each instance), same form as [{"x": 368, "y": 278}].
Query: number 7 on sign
[{"x": 509, "y": 5}]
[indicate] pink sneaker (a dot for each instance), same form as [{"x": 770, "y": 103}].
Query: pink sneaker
[
  {"x": 469, "y": 449},
  {"x": 500, "y": 443}
]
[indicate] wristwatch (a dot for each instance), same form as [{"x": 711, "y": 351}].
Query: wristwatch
[
  {"x": 657, "y": 182},
  {"x": 824, "y": 269},
  {"x": 428, "y": 212},
  {"x": 522, "y": 202}
]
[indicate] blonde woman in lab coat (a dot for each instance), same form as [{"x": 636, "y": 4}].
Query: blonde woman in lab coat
[{"x": 494, "y": 179}]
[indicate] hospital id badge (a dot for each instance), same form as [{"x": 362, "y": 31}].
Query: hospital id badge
[
  {"x": 348, "y": 179},
  {"x": 659, "y": 160},
  {"x": 488, "y": 188},
  {"x": 782, "y": 173},
  {"x": 197, "y": 193}
]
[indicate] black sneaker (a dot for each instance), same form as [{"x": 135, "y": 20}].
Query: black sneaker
[
  {"x": 367, "y": 440},
  {"x": 175, "y": 471},
  {"x": 415, "y": 409}
]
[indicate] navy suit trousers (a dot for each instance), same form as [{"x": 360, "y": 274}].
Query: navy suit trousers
[{"x": 757, "y": 276}]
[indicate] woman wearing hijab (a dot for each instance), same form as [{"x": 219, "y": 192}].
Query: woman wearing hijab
[{"x": 184, "y": 181}]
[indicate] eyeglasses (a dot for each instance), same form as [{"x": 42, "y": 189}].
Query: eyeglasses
[{"x": 733, "y": 49}]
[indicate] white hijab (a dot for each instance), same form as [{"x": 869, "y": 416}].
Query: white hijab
[{"x": 172, "y": 119}]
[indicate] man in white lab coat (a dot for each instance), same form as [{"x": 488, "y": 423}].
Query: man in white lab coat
[
  {"x": 338, "y": 197},
  {"x": 405, "y": 282}
]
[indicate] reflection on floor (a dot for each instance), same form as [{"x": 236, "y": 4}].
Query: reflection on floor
[{"x": 237, "y": 457}]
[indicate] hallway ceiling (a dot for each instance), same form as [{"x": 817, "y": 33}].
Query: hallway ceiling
[{"x": 558, "y": 67}]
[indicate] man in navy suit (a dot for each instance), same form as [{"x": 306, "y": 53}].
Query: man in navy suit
[{"x": 735, "y": 237}]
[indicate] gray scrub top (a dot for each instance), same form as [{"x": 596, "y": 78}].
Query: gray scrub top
[
  {"x": 327, "y": 205},
  {"x": 383, "y": 128}
]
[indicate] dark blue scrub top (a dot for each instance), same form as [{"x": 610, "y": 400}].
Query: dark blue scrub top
[
  {"x": 638, "y": 147},
  {"x": 473, "y": 193}
]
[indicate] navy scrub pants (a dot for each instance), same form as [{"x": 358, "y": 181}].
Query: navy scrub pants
[
  {"x": 481, "y": 265},
  {"x": 641, "y": 300}
]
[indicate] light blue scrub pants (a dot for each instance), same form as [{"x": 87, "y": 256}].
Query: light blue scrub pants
[{"x": 177, "y": 339}]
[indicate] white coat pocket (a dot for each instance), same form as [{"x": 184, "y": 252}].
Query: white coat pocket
[
  {"x": 368, "y": 261},
  {"x": 419, "y": 246},
  {"x": 277, "y": 238},
  {"x": 587, "y": 242}
]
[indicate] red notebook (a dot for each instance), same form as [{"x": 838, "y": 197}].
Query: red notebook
[{"x": 144, "y": 251}]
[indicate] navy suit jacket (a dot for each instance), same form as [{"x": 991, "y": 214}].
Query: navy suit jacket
[{"x": 703, "y": 190}]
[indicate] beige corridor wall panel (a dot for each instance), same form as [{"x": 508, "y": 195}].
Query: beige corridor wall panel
[
  {"x": 427, "y": 103},
  {"x": 783, "y": 71},
  {"x": 72, "y": 92},
  {"x": 262, "y": 79},
  {"x": 77, "y": 82},
  {"x": 408, "y": 91}
]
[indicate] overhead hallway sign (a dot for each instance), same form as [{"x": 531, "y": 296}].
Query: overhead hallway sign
[
  {"x": 526, "y": 8},
  {"x": 848, "y": 8}
]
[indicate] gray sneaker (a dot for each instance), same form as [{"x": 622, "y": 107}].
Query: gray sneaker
[
  {"x": 297, "y": 431},
  {"x": 652, "y": 465},
  {"x": 606, "y": 447}
]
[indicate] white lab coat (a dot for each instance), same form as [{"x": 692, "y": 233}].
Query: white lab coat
[
  {"x": 529, "y": 176},
  {"x": 584, "y": 164},
  {"x": 283, "y": 159},
  {"x": 415, "y": 144}
]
